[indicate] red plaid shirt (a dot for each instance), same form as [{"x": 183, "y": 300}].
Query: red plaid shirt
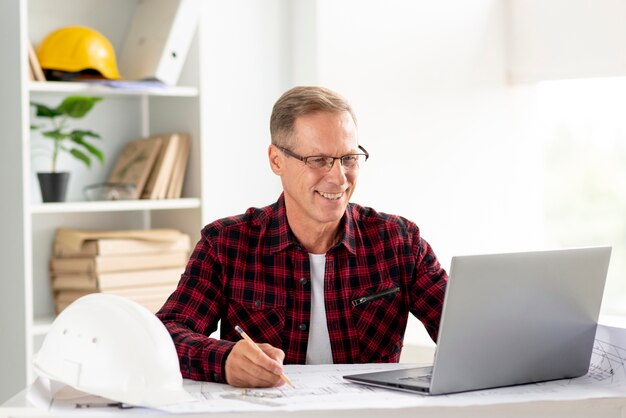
[{"x": 250, "y": 270}]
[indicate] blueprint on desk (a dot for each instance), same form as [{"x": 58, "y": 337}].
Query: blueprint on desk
[{"x": 323, "y": 388}]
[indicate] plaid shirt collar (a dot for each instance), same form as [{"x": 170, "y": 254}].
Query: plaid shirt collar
[{"x": 280, "y": 236}]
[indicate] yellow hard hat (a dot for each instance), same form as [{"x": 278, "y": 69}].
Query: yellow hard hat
[{"x": 78, "y": 48}]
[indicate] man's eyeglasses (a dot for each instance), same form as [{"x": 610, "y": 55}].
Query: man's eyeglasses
[{"x": 321, "y": 162}]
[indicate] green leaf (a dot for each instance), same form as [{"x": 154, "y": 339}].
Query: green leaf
[
  {"x": 96, "y": 152},
  {"x": 77, "y": 106},
  {"x": 81, "y": 156},
  {"x": 44, "y": 111},
  {"x": 79, "y": 133},
  {"x": 56, "y": 135}
]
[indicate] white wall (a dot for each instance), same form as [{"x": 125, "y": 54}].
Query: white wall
[
  {"x": 450, "y": 141},
  {"x": 449, "y": 144},
  {"x": 557, "y": 39},
  {"x": 245, "y": 68}
]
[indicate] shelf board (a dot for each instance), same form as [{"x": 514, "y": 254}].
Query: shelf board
[
  {"x": 115, "y": 206},
  {"x": 92, "y": 88},
  {"x": 41, "y": 325}
]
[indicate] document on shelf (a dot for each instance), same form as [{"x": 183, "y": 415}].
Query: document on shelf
[{"x": 323, "y": 388}]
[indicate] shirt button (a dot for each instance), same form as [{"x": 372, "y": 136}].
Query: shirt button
[
  {"x": 257, "y": 303},
  {"x": 215, "y": 377},
  {"x": 302, "y": 327},
  {"x": 303, "y": 281}
]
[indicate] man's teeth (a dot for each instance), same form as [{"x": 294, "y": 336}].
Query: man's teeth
[{"x": 331, "y": 196}]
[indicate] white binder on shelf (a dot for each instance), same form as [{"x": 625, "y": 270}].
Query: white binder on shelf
[{"x": 158, "y": 40}]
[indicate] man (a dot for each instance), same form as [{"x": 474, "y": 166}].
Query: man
[{"x": 312, "y": 278}]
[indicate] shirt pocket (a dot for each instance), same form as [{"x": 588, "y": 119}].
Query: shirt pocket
[
  {"x": 380, "y": 322},
  {"x": 261, "y": 313}
]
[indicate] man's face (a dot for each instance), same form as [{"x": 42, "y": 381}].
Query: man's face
[{"x": 318, "y": 197}]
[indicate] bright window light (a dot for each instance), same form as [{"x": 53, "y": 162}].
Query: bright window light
[{"x": 585, "y": 171}]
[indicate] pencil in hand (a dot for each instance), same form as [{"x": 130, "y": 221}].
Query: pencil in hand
[{"x": 247, "y": 338}]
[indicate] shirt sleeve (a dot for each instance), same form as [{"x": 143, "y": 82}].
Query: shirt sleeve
[
  {"x": 192, "y": 313},
  {"x": 428, "y": 286}
]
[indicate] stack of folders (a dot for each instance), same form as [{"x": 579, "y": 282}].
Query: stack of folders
[
  {"x": 155, "y": 165},
  {"x": 146, "y": 271}
]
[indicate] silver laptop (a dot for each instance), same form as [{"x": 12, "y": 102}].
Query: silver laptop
[{"x": 510, "y": 319}]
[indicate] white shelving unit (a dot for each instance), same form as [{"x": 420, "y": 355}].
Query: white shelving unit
[
  {"x": 27, "y": 225},
  {"x": 97, "y": 89},
  {"x": 115, "y": 206}
]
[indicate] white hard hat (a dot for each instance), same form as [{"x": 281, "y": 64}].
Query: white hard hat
[{"x": 112, "y": 347}]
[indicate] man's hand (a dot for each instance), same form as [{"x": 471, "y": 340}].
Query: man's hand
[{"x": 254, "y": 365}]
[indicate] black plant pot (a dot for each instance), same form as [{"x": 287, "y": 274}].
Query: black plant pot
[{"x": 53, "y": 186}]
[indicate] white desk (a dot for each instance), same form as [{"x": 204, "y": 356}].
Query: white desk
[
  {"x": 522, "y": 406},
  {"x": 599, "y": 394},
  {"x": 596, "y": 408}
]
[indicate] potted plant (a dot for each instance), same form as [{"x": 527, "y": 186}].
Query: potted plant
[{"x": 53, "y": 184}]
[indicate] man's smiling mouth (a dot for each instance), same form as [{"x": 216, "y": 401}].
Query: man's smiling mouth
[{"x": 331, "y": 196}]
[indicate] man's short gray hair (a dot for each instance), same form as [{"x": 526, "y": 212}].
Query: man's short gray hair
[{"x": 300, "y": 101}]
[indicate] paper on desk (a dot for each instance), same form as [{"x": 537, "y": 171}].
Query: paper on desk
[{"x": 323, "y": 388}]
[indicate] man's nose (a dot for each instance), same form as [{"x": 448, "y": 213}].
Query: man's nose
[{"x": 337, "y": 171}]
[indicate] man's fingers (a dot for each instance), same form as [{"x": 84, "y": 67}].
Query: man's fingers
[
  {"x": 252, "y": 376},
  {"x": 272, "y": 352},
  {"x": 248, "y": 365}
]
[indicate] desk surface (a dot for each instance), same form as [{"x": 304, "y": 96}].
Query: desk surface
[
  {"x": 601, "y": 393},
  {"x": 597, "y": 408}
]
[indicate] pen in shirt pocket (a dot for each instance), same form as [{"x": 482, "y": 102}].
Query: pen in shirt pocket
[{"x": 375, "y": 296}]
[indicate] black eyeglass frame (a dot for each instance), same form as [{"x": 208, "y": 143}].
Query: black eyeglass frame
[{"x": 305, "y": 159}]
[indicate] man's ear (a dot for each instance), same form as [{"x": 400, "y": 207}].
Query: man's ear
[{"x": 276, "y": 159}]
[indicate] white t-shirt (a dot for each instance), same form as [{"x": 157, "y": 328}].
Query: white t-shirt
[{"x": 318, "y": 350}]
